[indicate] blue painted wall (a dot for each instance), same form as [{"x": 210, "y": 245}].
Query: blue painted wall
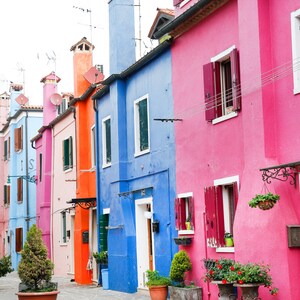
[
  {"x": 22, "y": 214},
  {"x": 154, "y": 172}
]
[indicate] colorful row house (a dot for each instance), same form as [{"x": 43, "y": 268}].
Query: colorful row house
[
  {"x": 19, "y": 166},
  {"x": 136, "y": 161},
  {"x": 235, "y": 80},
  {"x": 66, "y": 156}
]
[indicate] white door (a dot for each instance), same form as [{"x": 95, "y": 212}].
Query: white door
[
  {"x": 94, "y": 243},
  {"x": 144, "y": 239},
  {"x": 71, "y": 262}
]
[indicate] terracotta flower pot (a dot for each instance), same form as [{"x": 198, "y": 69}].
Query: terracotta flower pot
[
  {"x": 158, "y": 292},
  {"x": 38, "y": 296}
]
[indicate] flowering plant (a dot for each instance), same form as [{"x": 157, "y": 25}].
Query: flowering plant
[
  {"x": 268, "y": 199},
  {"x": 251, "y": 273},
  {"x": 219, "y": 270}
]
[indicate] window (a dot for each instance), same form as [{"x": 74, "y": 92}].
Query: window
[
  {"x": 141, "y": 126},
  {"x": 222, "y": 85},
  {"x": 220, "y": 206},
  {"x": 19, "y": 239},
  {"x": 106, "y": 142},
  {"x": 295, "y": 22},
  {"x": 184, "y": 212},
  {"x": 41, "y": 167},
  {"x": 93, "y": 146},
  {"x": 63, "y": 106},
  {"x": 18, "y": 135},
  {"x": 63, "y": 227},
  {"x": 7, "y": 194},
  {"x": 5, "y": 150},
  {"x": 20, "y": 189},
  {"x": 68, "y": 154}
]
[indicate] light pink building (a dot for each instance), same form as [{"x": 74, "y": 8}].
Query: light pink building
[
  {"x": 236, "y": 85},
  {"x": 63, "y": 189}
]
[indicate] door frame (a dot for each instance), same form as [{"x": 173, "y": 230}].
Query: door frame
[{"x": 142, "y": 241}]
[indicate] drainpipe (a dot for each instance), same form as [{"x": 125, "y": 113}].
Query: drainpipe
[
  {"x": 27, "y": 175},
  {"x": 205, "y": 248}
]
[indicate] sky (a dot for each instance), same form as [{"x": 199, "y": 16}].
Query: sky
[{"x": 37, "y": 37}]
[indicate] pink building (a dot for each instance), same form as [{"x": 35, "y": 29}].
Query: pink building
[
  {"x": 43, "y": 145},
  {"x": 236, "y": 85}
]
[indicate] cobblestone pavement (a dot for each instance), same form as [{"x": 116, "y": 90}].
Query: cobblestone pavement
[{"x": 68, "y": 290}]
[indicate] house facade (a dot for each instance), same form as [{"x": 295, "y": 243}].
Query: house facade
[
  {"x": 4, "y": 164},
  {"x": 63, "y": 189},
  {"x": 42, "y": 144},
  {"x": 86, "y": 79},
  {"x": 135, "y": 165},
  {"x": 23, "y": 121},
  {"x": 239, "y": 112}
]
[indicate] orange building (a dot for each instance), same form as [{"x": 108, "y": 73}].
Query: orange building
[{"x": 86, "y": 78}]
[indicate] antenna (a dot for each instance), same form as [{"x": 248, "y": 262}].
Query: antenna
[
  {"x": 22, "y": 70},
  {"x": 52, "y": 57},
  {"x": 56, "y": 99},
  {"x": 21, "y": 99}
]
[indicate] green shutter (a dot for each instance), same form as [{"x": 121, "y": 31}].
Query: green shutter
[
  {"x": 108, "y": 141},
  {"x": 70, "y": 152},
  {"x": 143, "y": 124},
  {"x": 103, "y": 223},
  {"x": 5, "y": 150},
  {"x": 66, "y": 154},
  {"x": 64, "y": 227}
]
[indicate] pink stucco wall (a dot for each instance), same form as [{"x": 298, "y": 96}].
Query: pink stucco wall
[
  {"x": 43, "y": 189},
  {"x": 263, "y": 134},
  {"x": 64, "y": 189}
]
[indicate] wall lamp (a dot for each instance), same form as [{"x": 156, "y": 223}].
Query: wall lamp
[{"x": 31, "y": 179}]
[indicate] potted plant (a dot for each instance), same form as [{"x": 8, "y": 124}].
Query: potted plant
[
  {"x": 228, "y": 238},
  {"x": 35, "y": 269},
  {"x": 217, "y": 272},
  {"x": 188, "y": 223},
  {"x": 158, "y": 285},
  {"x": 5, "y": 265},
  {"x": 264, "y": 201},
  {"x": 249, "y": 277},
  {"x": 181, "y": 263},
  {"x": 102, "y": 263}
]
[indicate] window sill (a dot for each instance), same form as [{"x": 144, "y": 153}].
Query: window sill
[
  {"x": 183, "y": 3},
  {"x": 225, "y": 117},
  {"x": 296, "y": 90},
  {"x": 141, "y": 153},
  {"x": 186, "y": 232},
  {"x": 225, "y": 249},
  {"x": 68, "y": 170},
  {"x": 106, "y": 166}
]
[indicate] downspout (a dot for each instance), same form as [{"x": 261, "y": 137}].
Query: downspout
[
  {"x": 27, "y": 175},
  {"x": 98, "y": 206},
  {"x": 206, "y": 254}
]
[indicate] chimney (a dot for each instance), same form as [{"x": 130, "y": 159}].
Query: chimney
[
  {"x": 50, "y": 88},
  {"x": 121, "y": 35},
  {"x": 82, "y": 62},
  {"x": 15, "y": 90}
]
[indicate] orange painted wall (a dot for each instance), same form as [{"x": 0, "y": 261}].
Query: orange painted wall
[{"x": 86, "y": 181}]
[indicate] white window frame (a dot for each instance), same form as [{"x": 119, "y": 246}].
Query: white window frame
[
  {"x": 93, "y": 146},
  {"x": 138, "y": 152},
  {"x": 63, "y": 227},
  {"x": 295, "y": 23},
  {"x": 186, "y": 196},
  {"x": 219, "y": 58},
  {"x": 223, "y": 182},
  {"x": 105, "y": 163}
]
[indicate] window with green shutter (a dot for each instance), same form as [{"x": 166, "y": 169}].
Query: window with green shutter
[
  {"x": 5, "y": 150},
  {"x": 63, "y": 227},
  {"x": 141, "y": 126},
  {"x": 106, "y": 141},
  {"x": 68, "y": 154}
]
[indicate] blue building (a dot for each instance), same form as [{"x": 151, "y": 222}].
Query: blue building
[
  {"x": 23, "y": 122},
  {"x": 136, "y": 159}
]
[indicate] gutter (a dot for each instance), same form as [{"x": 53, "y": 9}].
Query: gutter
[
  {"x": 181, "y": 18},
  {"x": 133, "y": 68}
]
